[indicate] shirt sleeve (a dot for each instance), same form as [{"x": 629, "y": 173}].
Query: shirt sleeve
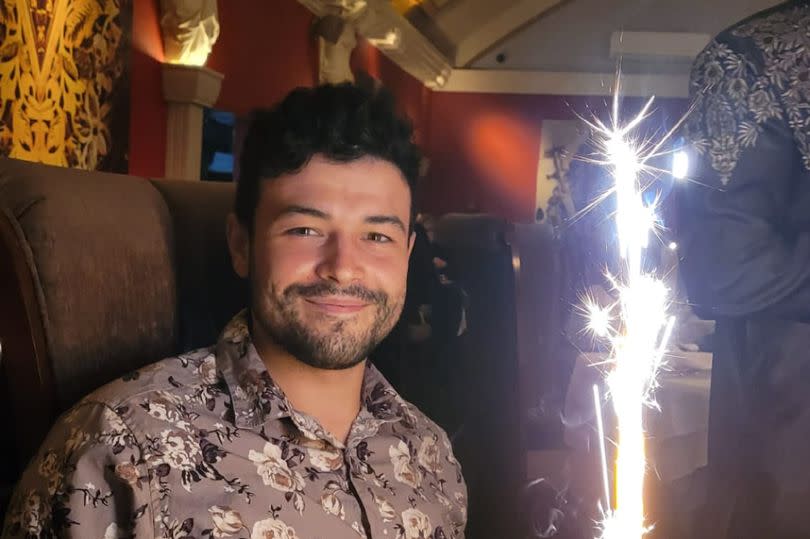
[
  {"x": 88, "y": 480},
  {"x": 742, "y": 252}
]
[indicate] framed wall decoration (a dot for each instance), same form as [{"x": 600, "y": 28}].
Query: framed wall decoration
[{"x": 64, "y": 91}]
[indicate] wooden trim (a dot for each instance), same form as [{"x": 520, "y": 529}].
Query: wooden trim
[
  {"x": 678, "y": 46},
  {"x": 563, "y": 83}
]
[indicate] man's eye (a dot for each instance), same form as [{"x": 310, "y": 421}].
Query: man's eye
[
  {"x": 376, "y": 237},
  {"x": 302, "y": 231}
]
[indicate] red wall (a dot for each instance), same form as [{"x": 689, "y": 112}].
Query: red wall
[
  {"x": 412, "y": 96},
  {"x": 484, "y": 148},
  {"x": 147, "y": 124},
  {"x": 265, "y": 49}
]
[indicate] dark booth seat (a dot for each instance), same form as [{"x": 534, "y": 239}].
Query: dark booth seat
[{"x": 101, "y": 274}]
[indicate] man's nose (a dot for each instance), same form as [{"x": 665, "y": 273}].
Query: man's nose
[{"x": 341, "y": 261}]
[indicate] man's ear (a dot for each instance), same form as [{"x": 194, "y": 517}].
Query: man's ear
[
  {"x": 411, "y": 242},
  {"x": 238, "y": 245}
]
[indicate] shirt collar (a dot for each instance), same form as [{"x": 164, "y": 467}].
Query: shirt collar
[{"x": 255, "y": 398}]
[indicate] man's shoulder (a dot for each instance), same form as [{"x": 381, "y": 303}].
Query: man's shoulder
[
  {"x": 419, "y": 422},
  {"x": 431, "y": 447},
  {"x": 752, "y": 52},
  {"x": 759, "y": 30},
  {"x": 174, "y": 375},
  {"x": 382, "y": 400}
]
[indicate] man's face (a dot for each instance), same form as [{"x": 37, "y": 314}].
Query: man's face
[{"x": 328, "y": 259}]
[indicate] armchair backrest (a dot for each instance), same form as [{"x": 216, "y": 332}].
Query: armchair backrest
[{"x": 101, "y": 274}]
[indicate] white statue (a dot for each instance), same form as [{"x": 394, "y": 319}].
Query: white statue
[
  {"x": 190, "y": 29},
  {"x": 337, "y": 40}
]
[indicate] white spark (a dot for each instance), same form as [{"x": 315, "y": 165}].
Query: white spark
[{"x": 599, "y": 320}]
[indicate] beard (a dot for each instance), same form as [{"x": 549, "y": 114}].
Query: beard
[{"x": 326, "y": 343}]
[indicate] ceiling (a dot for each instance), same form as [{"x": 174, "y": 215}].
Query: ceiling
[{"x": 564, "y": 35}]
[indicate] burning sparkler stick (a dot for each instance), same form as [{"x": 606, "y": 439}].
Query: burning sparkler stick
[
  {"x": 639, "y": 341},
  {"x": 597, "y": 404}
]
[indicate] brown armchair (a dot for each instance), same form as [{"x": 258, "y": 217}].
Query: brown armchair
[{"x": 101, "y": 274}]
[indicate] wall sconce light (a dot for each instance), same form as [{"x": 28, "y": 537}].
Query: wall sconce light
[
  {"x": 441, "y": 79},
  {"x": 190, "y": 29}
]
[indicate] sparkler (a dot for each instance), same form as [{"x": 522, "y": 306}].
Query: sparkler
[{"x": 638, "y": 336}]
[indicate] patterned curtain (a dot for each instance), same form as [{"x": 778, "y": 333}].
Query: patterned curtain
[{"x": 64, "y": 92}]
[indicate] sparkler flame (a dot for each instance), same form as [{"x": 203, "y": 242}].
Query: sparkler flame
[
  {"x": 640, "y": 341},
  {"x": 599, "y": 320}
]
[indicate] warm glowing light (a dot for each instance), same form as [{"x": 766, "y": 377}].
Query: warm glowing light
[
  {"x": 195, "y": 58},
  {"x": 189, "y": 31},
  {"x": 403, "y": 6},
  {"x": 391, "y": 40}
]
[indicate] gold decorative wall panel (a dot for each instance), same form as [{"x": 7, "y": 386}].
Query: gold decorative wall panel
[{"x": 64, "y": 96}]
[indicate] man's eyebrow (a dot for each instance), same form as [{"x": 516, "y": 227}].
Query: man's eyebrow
[
  {"x": 303, "y": 210},
  {"x": 320, "y": 214},
  {"x": 386, "y": 220}
]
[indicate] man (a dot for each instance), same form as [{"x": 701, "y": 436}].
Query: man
[
  {"x": 282, "y": 430},
  {"x": 746, "y": 263}
]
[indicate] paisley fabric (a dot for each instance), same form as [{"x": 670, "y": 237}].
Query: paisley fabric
[{"x": 757, "y": 72}]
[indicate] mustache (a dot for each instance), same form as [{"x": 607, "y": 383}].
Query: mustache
[{"x": 327, "y": 288}]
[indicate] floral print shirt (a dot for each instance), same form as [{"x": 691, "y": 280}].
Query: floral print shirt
[{"x": 206, "y": 445}]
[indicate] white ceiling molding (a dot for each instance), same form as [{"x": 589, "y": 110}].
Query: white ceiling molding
[
  {"x": 514, "y": 17},
  {"x": 673, "y": 46},
  {"x": 562, "y": 83},
  {"x": 392, "y": 34}
]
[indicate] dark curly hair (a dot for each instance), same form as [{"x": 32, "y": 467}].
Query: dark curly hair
[{"x": 342, "y": 122}]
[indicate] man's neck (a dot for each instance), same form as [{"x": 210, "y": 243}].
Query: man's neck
[{"x": 330, "y": 396}]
